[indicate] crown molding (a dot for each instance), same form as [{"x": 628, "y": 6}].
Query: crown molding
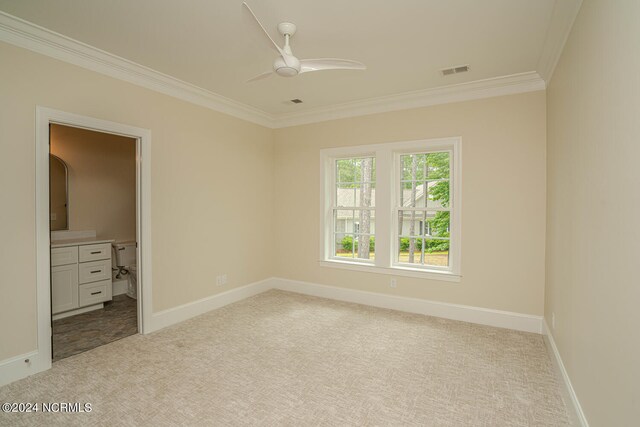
[
  {"x": 562, "y": 19},
  {"x": 498, "y": 86},
  {"x": 27, "y": 35},
  {"x": 33, "y": 37}
]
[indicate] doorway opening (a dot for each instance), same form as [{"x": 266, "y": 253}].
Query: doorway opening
[
  {"x": 92, "y": 199},
  {"x": 93, "y": 226}
]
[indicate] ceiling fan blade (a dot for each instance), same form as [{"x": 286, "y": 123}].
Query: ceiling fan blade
[
  {"x": 280, "y": 50},
  {"x": 260, "y": 76},
  {"x": 307, "y": 65}
]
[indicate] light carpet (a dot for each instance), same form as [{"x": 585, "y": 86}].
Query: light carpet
[{"x": 282, "y": 358}]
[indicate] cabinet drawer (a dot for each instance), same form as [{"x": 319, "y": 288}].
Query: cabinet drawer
[
  {"x": 64, "y": 256},
  {"x": 94, "y": 293},
  {"x": 95, "y": 252},
  {"x": 94, "y": 271}
]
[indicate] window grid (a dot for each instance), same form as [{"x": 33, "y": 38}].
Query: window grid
[
  {"x": 352, "y": 201},
  {"x": 419, "y": 214}
]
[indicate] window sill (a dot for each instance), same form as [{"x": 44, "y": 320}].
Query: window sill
[{"x": 393, "y": 271}]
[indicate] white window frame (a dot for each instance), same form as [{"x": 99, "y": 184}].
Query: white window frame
[{"x": 387, "y": 194}]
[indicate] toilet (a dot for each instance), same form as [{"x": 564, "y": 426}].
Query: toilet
[
  {"x": 132, "y": 283},
  {"x": 124, "y": 260}
]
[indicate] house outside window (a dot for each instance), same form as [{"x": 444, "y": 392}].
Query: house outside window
[{"x": 393, "y": 208}]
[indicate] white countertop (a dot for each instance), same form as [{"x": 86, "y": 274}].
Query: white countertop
[{"x": 79, "y": 242}]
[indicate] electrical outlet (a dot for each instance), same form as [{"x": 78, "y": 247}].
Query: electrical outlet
[
  {"x": 393, "y": 283},
  {"x": 221, "y": 279},
  {"x": 553, "y": 321}
]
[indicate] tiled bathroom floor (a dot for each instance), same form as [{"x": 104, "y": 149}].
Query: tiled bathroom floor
[{"x": 75, "y": 334}]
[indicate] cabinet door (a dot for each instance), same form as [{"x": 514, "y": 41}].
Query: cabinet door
[{"x": 64, "y": 288}]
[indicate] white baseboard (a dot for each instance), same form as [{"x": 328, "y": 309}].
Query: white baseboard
[
  {"x": 22, "y": 366},
  {"x": 569, "y": 394},
  {"x": 465, "y": 313},
  {"x": 183, "y": 312}
]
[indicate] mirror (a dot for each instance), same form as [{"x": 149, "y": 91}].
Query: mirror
[{"x": 58, "y": 193}]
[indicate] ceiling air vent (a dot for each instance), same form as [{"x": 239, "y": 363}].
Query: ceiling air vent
[
  {"x": 297, "y": 101},
  {"x": 455, "y": 70}
]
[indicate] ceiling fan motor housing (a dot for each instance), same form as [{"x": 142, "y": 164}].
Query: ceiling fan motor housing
[{"x": 284, "y": 70}]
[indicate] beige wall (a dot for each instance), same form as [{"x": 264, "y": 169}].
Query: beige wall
[
  {"x": 211, "y": 192},
  {"x": 102, "y": 180},
  {"x": 503, "y": 199},
  {"x": 593, "y": 243}
]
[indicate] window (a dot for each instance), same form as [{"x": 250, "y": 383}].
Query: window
[
  {"x": 393, "y": 208},
  {"x": 422, "y": 211},
  {"x": 354, "y": 209}
]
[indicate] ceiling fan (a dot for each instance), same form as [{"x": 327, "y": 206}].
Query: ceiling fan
[{"x": 287, "y": 65}]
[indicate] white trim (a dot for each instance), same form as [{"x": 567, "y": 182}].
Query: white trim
[
  {"x": 562, "y": 19},
  {"x": 465, "y": 313},
  {"x": 30, "y": 36},
  {"x": 21, "y": 366},
  {"x": 33, "y": 37},
  {"x": 45, "y": 116},
  {"x": 144, "y": 280},
  {"x": 497, "y": 86},
  {"x": 575, "y": 408},
  {"x": 183, "y": 312},
  {"x": 444, "y": 276}
]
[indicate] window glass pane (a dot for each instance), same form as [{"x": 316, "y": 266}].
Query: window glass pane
[
  {"x": 436, "y": 252},
  {"x": 437, "y": 224},
  {"x": 437, "y": 194},
  {"x": 345, "y": 195},
  {"x": 343, "y": 247},
  {"x": 365, "y": 247},
  {"x": 343, "y": 220},
  {"x": 412, "y": 195},
  {"x": 356, "y": 170},
  {"x": 410, "y": 250},
  {"x": 365, "y": 195},
  {"x": 410, "y": 223},
  {"x": 413, "y": 167},
  {"x": 437, "y": 165},
  {"x": 348, "y": 170},
  {"x": 355, "y": 182},
  {"x": 356, "y": 196},
  {"x": 356, "y": 246},
  {"x": 365, "y": 220}
]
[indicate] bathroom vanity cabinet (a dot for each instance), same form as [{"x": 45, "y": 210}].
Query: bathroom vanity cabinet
[{"x": 80, "y": 277}]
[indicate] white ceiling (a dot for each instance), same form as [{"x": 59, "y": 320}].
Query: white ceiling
[{"x": 215, "y": 45}]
